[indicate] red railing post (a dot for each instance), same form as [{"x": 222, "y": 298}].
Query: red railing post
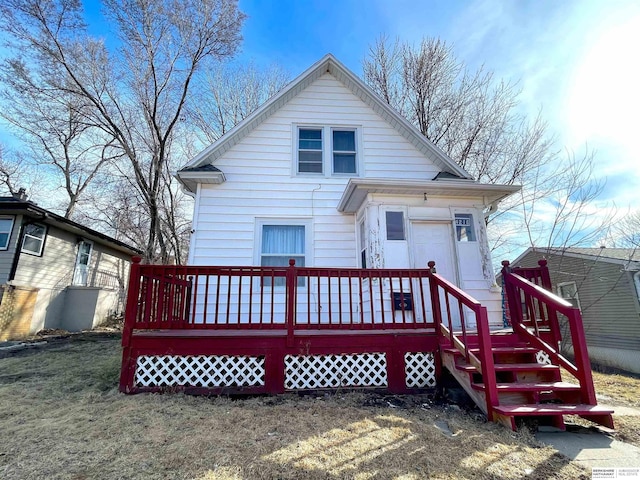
[
  {"x": 130, "y": 313},
  {"x": 581, "y": 356},
  {"x": 291, "y": 290},
  {"x": 514, "y": 301},
  {"x": 486, "y": 360},
  {"x": 435, "y": 297},
  {"x": 554, "y": 324}
]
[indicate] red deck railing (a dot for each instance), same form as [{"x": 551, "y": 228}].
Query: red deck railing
[
  {"x": 451, "y": 303},
  {"x": 167, "y": 297},
  {"x": 535, "y": 314}
]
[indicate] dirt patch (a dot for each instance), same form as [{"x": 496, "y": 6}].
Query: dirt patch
[{"x": 62, "y": 417}]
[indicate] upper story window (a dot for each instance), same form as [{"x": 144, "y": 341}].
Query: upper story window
[
  {"x": 464, "y": 227},
  {"x": 6, "y": 226},
  {"x": 326, "y": 150},
  {"x": 34, "y": 236},
  {"x": 344, "y": 151},
  {"x": 310, "y": 150}
]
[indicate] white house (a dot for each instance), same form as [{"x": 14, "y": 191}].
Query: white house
[{"x": 328, "y": 174}]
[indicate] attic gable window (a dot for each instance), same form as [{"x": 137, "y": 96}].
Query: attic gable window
[
  {"x": 344, "y": 151},
  {"x": 309, "y": 150},
  {"x": 326, "y": 150}
]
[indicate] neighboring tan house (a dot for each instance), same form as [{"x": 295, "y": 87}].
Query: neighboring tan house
[
  {"x": 56, "y": 273},
  {"x": 328, "y": 174},
  {"x": 605, "y": 284}
]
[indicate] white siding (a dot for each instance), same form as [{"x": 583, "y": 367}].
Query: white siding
[{"x": 260, "y": 180}]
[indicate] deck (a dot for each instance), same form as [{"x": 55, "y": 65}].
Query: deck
[{"x": 249, "y": 330}]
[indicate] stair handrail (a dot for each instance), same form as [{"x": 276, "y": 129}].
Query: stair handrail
[
  {"x": 484, "y": 360},
  {"x": 515, "y": 285}
]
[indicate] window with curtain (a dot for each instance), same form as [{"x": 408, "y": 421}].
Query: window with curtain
[
  {"x": 344, "y": 151},
  {"x": 279, "y": 244}
]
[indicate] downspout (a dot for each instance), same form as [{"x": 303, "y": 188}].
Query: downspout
[
  {"x": 16, "y": 256},
  {"x": 636, "y": 281}
]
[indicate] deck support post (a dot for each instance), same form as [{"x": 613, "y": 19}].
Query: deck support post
[
  {"x": 131, "y": 310},
  {"x": 291, "y": 288}
]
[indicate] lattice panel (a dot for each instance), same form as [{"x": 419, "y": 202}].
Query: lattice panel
[
  {"x": 333, "y": 371},
  {"x": 420, "y": 370},
  {"x": 543, "y": 357},
  {"x": 199, "y": 371}
]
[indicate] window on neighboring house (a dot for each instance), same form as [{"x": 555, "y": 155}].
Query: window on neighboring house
[
  {"x": 6, "y": 227},
  {"x": 34, "y": 236},
  {"x": 83, "y": 258},
  {"x": 395, "y": 226},
  {"x": 569, "y": 291},
  {"x": 464, "y": 227},
  {"x": 363, "y": 245},
  {"x": 344, "y": 151},
  {"x": 279, "y": 244},
  {"x": 309, "y": 150}
]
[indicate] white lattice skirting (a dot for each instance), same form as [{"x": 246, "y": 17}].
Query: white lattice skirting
[
  {"x": 333, "y": 371},
  {"x": 420, "y": 370},
  {"x": 199, "y": 371}
]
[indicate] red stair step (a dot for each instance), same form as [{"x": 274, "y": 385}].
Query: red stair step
[
  {"x": 552, "y": 409},
  {"x": 512, "y": 367},
  {"x": 532, "y": 387}
]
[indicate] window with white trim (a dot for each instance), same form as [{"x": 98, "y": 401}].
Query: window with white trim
[
  {"x": 279, "y": 243},
  {"x": 569, "y": 291},
  {"x": 33, "y": 240},
  {"x": 465, "y": 232},
  {"x": 326, "y": 150},
  {"x": 395, "y": 225},
  {"x": 83, "y": 259},
  {"x": 310, "y": 150},
  {"x": 6, "y": 227},
  {"x": 344, "y": 151}
]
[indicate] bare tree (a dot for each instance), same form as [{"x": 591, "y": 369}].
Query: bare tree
[
  {"x": 229, "y": 93},
  {"x": 17, "y": 171},
  {"x": 474, "y": 118},
  {"x": 136, "y": 95},
  {"x": 471, "y": 116}
]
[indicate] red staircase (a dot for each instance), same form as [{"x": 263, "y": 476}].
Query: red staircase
[{"x": 519, "y": 373}]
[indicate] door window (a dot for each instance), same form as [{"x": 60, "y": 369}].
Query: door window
[{"x": 83, "y": 258}]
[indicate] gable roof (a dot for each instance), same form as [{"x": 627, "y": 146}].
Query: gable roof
[
  {"x": 16, "y": 206},
  {"x": 329, "y": 64},
  {"x": 629, "y": 257}
]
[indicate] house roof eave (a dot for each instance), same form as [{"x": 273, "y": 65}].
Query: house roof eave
[
  {"x": 39, "y": 214},
  {"x": 329, "y": 64},
  {"x": 358, "y": 189}
]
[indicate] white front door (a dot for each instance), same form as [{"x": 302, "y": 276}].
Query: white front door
[
  {"x": 434, "y": 241},
  {"x": 83, "y": 258}
]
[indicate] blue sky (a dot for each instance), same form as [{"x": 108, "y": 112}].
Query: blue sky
[{"x": 577, "y": 60}]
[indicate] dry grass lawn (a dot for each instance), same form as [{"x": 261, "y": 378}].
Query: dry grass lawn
[{"x": 61, "y": 416}]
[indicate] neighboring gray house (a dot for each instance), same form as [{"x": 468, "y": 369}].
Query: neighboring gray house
[
  {"x": 56, "y": 273},
  {"x": 605, "y": 284}
]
